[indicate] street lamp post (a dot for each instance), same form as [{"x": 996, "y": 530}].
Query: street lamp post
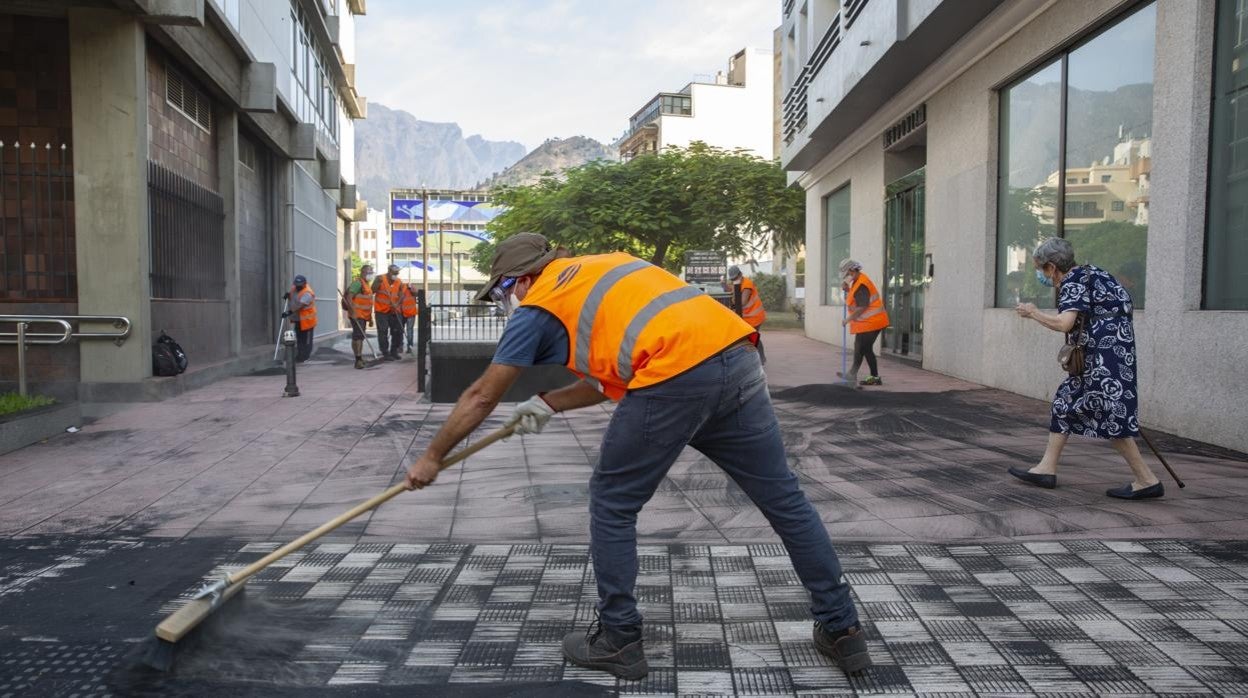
[
  {"x": 454, "y": 264},
  {"x": 424, "y": 241}
]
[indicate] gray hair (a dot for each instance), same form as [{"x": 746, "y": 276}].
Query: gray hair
[
  {"x": 848, "y": 265},
  {"x": 1056, "y": 251}
]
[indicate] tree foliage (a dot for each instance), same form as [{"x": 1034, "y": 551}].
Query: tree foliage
[
  {"x": 771, "y": 290},
  {"x": 658, "y": 206}
]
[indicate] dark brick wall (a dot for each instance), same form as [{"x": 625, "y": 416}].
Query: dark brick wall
[
  {"x": 201, "y": 327},
  {"x": 174, "y": 140}
]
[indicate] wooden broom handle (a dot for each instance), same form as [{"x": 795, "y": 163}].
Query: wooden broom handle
[{"x": 358, "y": 509}]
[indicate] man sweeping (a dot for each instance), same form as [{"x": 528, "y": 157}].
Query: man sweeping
[{"x": 685, "y": 372}]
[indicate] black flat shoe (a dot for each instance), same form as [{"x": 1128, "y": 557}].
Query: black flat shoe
[
  {"x": 1048, "y": 482},
  {"x": 1126, "y": 492}
]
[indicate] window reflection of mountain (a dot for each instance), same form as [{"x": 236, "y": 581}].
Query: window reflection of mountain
[{"x": 1094, "y": 121}]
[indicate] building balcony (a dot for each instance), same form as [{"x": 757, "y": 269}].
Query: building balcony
[
  {"x": 866, "y": 54},
  {"x": 663, "y": 104}
]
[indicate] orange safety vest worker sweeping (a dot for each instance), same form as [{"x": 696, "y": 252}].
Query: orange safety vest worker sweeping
[
  {"x": 388, "y": 304},
  {"x": 685, "y": 372},
  {"x": 302, "y": 305},
  {"x": 865, "y": 316},
  {"x": 748, "y": 305},
  {"x": 360, "y": 295}
]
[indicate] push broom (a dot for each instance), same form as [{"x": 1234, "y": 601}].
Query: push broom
[{"x": 210, "y": 597}]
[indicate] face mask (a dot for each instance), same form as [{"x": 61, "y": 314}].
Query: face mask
[
  {"x": 1044, "y": 280},
  {"x": 501, "y": 295},
  {"x": 368, "y": 277}
]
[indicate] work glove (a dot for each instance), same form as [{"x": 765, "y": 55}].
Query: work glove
[
  {"x": 285, "y": 314},
  {"x": 530, "y": 416},
  {"x": 286, "y": 296}
]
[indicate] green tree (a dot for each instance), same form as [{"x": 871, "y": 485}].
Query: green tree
[
  {"x": 658, "y": 206},
  {"x": 356, "y": 263}
]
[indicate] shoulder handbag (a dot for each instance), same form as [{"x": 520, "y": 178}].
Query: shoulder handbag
[{"x": 1070, "y": 356}]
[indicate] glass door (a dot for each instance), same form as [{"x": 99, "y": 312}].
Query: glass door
[{"x": 905, "y": 271}]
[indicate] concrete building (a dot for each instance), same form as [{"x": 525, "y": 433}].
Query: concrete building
[
  {"x": 371, "y": 239},
  {"x": 732, "y": 110},
  {"x": 938, "y": 140},
  {"x": 191, "y": 157},
  {"x": 457, "y": 222}
]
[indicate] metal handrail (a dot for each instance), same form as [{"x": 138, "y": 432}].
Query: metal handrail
[
  {"x": 22, "y": 338},
  {"x": 67, "y": 330},
  {"x": 118, "y": 321}
]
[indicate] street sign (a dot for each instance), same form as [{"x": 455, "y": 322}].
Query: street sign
[{"x": 705, "y": 267}]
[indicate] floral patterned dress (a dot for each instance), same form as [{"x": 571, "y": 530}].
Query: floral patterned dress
[{"x": 1103, "y": 402}]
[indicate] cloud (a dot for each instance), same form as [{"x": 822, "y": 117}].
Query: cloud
[{"x": 528, "y": 70}]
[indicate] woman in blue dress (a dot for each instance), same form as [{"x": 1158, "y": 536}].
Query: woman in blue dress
[{"x": 1103, "y": 401}]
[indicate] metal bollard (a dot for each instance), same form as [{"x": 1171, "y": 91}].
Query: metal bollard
[
  {"x": 288, "y": 339},
  {"x": 21, "y": 359}
]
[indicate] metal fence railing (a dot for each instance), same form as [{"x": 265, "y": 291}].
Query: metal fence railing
[
  {"x": 452, "y": 323},
  {"x": 187, "y": 228},
  {"x": 37, "y": 247},
  {"x": 466, "y": 323}
]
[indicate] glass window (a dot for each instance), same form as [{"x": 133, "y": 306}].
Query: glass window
[
  {"x": 1106, "y": 88},
  {"x": 1027, "y": 181},
  {"x": 835, "y": 243},
  {"x": 1226, "y": 242}
]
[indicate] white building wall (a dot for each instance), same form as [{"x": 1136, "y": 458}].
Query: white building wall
[
  {"x": 1192, "y": 362},
  {"x": 266, "y": 30},
  {"x": 729, "y": 116}
]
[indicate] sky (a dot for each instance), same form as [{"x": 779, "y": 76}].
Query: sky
[{"x": 528, "y": 70}]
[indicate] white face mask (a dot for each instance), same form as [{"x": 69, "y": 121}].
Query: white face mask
[{"x": 368, "y": 277}]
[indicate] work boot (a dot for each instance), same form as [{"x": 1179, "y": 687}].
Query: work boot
[
  {"x": 848, "y": 647},
  {"x": 395, "y": 355},
  {"x": 619, "y": 652},
  {"x": 357, "y": 348}
]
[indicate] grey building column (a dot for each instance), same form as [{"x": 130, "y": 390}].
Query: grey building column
[
  {"x": 108, "y": 88},
  {"x": 284, "y": 222},
  {"x": 227, "y": 186}
]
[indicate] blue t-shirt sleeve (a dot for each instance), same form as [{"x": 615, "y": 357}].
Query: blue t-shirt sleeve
[{"x": 533, "y": 337}]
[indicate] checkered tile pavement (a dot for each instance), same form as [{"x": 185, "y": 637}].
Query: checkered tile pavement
[{"x": 1069, "y": 617}]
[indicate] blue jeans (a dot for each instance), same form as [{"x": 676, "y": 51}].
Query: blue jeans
[{"x": 721, "y": 408}]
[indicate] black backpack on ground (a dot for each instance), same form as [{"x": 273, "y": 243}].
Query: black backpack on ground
[{"x": 168, "y": 359}]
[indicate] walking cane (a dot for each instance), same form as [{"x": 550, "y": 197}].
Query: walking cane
[{"x": 1161, "y": 458}]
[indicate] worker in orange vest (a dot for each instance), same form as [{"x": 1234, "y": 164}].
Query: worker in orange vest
[
  {"x": 407, "y": 305},
  {"x": 302, "y": 305},
  {"x": 865, "y": 316},
  {"x": 746, "y": 301},
  {"x": 685, "y": 372},
  {"x": 388, "y": 309},
  {"x": 359, "y": 306}
]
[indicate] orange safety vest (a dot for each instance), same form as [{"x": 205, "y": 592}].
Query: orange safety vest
[
  {"x": 630, "y": 324},
  {"x": 753, "y": 312},
  {"x": 363, "y": 301},
  {"x": 388, "y": 294},
  {"x": 408, "y": 303},
  {"x": 875, "y": 317},
  {"x": 307, "y": 316}
]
